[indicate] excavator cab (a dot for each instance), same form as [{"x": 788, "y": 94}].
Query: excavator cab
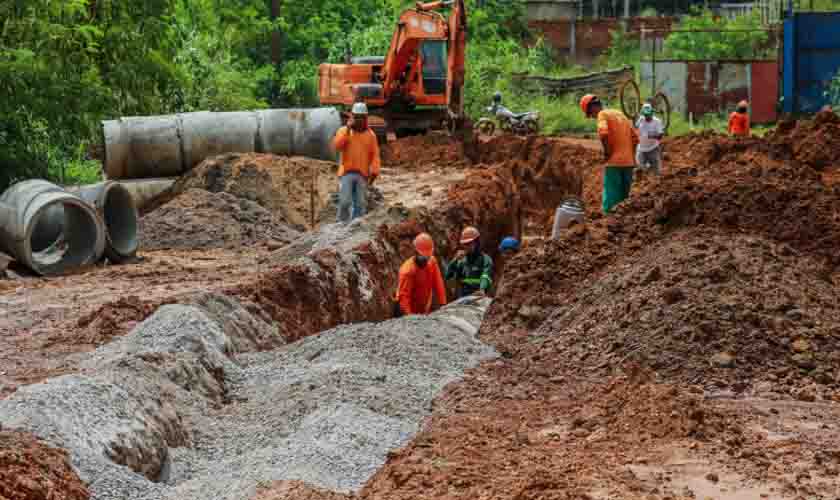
[{"x": 433, "y": 67}]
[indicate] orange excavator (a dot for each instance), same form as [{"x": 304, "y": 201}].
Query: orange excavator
[{"x": 418, "y": 85}]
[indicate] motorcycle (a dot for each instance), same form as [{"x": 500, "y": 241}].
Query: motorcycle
[{"x": 513, "y": 123}]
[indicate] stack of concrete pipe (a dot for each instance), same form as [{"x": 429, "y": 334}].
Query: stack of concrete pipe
[
  {"x": 52, "y": 230},
  {"x": 155, "y": 147}
]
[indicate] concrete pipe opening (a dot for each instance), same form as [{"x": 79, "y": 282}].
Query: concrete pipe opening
[
  {"x": 48, "y": 229},
  {"x": 120, "y": 216},
  {"x": 75, "y": 244}
]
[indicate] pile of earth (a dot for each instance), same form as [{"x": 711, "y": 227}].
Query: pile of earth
[
  {"x": 813, "y": 143},
  {"x": 433, "y": 150},
  {"x": 286, "y": 186},
  {"x": 721, "y": 309},
  {"x": 197, "y": 219},
  {"x": 705, "y": 307},
  {"x": 30, "y": 470}
]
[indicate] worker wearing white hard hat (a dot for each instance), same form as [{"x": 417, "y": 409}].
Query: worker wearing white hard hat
[
  {"x": 649, "y": 150},
  {"x": 360, "y": 163}
]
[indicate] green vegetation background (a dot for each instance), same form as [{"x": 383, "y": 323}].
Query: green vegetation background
[{"x": 65, "y": 66}]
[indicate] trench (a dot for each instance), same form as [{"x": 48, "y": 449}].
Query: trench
[{"x": 301, "y": 375}]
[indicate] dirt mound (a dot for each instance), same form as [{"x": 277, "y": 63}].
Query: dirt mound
[
  {"x": 30, "y": 470},
  {"x": 283, "y": 185},
  {"x": 805, "y": 143},
  {"x": 296, "y": 490},
  {"x": 709, "y": 308},
  {"x": 432, "y": 150},
  {"x": 112, "y": 320},
  {"x": 199, "y": 219},
  {"x": 815, "y": 143},
  {"x": 743, "y": 192}
]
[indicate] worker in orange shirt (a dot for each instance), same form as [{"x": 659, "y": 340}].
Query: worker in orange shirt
[
  {"x": 619, "y": 139},
  {"x": 420, "y": 278},
  {"x": 360, "y": 163},
  {"x": 739, "y": 120}
]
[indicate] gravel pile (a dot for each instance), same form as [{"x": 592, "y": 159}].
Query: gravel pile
[{"x": 186, "y": 405}]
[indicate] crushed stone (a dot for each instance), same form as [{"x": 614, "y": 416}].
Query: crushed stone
[{"x": 191, "y": 405}]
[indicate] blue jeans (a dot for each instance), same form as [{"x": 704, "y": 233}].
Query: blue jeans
[{"x": 352, "y": 194}]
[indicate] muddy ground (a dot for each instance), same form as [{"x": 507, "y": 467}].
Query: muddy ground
[{"x": 685, "y": 347}]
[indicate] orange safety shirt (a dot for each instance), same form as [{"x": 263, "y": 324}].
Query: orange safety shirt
[
  {"x": 417, "y": 285},
  {"x": 739, "y": 123},
  {"x": 359, "y": 152},
  {"x": 620, "y": 135}
]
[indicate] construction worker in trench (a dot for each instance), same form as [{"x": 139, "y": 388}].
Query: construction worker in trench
[
  {"x": 508, "y": 249},
  {"x": 739, "y": 120},
  {"x": 360, "y": 163},
  {"x": 472, "y": 268},
  {"x": 420, "y": 279},
  {"x": 619, "y": 139}
]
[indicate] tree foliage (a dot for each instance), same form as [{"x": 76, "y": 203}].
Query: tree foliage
[
  {"x": 717, "y": 38},
  {"x": 66, "y": 66}
]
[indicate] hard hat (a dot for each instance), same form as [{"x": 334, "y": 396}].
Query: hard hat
[
  {"x": 647, "y": 109},
  {"x": 469, "y": 234},
  {"x": 586, "y": 101},
  {"x": 360, "y": 108},
  {"x": 509, "y": 243},
  {"x": 424, "y": 244},
  {"x": 743, "y": 104},
  {"x": 497, "y": 96}
]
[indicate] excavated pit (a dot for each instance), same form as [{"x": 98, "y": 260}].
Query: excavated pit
[{"x": 723, "y": 228}]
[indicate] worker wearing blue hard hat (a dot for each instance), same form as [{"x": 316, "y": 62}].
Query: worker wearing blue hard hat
[{"x": 509, "y": 245}]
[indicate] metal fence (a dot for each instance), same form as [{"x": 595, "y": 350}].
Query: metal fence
[{"x": 605, "y": 83}]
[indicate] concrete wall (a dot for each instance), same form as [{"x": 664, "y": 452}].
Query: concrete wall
[{"x": 701, "y": 87}]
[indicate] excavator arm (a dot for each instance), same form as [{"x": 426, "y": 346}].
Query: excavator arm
[
  {"x": 413, "y": 28},
  {"x": 456, "y": 67}
]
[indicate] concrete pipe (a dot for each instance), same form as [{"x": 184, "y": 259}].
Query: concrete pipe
[
  {"x": 167, "y": 146},
  {"x": 140, "y": 147},
  {"x": 299, "y": 132},
  {"x": 32, "y": 211},
  {"x": 205, "y": 134},
  {"x": 146, "y": 191},
  {"x": 116, "y": 209}
]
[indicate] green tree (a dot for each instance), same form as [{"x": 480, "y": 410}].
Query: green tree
[{"x": 714, "y": 38}]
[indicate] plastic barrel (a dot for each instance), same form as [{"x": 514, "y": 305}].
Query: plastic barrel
[{"x": 32, "y": 210}]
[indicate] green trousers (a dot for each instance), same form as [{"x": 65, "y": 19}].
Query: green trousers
[{"x": 617, "y": 184}]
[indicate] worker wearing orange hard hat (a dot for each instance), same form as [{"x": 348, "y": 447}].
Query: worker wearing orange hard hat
[
  {"x": 471, "y": 267},
  {"x": 619, "y": 139},
  {"x": 739, "y": 120},
  {"x": 420, "y": 279}
]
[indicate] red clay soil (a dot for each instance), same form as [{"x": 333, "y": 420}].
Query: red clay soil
[
  {"x": 30, "y": 470},
  {"x": 815, "y": 143},
  {"x": 434, "y": 150},
  {"x": 296, "y": 490}
]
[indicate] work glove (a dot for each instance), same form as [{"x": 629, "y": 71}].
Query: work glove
[{"x": 372, "y": 179}]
